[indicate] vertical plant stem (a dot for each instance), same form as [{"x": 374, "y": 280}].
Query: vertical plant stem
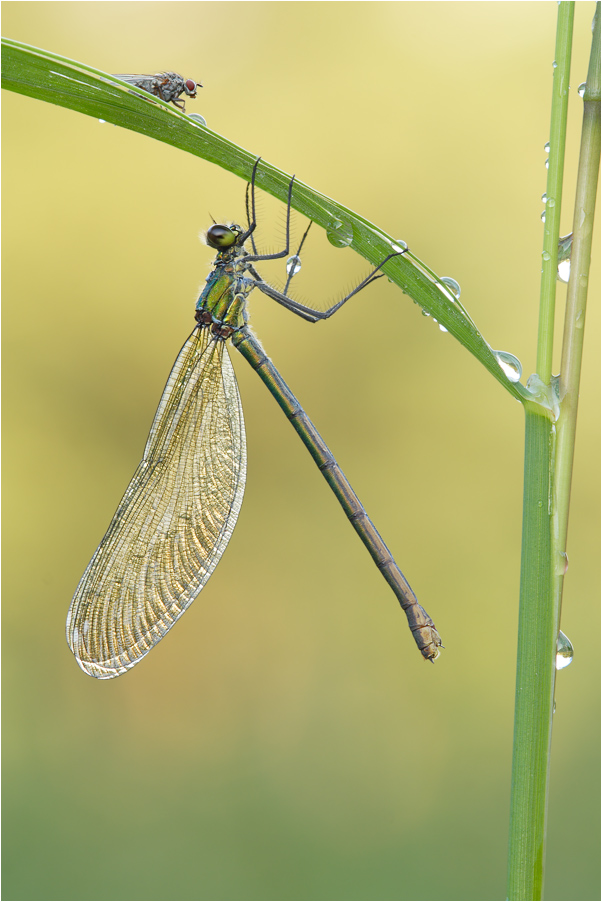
[
  {"x": 574, "y": 323},
  {"x": 576, "y": 304},
  {"x": 538, "y": 619},
  {"x": 548, "y": 466},
  {"x": 549, "y": 269},
  {"x": 535, "y": 667}
]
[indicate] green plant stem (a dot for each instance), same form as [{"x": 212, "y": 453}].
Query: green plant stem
[
  {"x": 574, "y": 323},
  {"x": 535, "y": 667},
  {"x": 549, "y": 451},
  {"x": 560, "y": 104},
  {"x": 538, "y": 619}
]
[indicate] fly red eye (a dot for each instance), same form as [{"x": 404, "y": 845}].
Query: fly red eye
[{"x": 190, "y": 86}]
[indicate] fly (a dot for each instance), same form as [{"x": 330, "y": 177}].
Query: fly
[{"x": 166, "y": 85}]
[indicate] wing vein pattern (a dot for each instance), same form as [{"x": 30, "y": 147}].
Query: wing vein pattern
[{"x": 174, "y": 520}]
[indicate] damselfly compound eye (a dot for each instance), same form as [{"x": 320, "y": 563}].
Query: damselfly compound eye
[{"x": 220, "y": 236}]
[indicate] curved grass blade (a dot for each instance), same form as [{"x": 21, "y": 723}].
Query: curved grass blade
[{"x": 56, "y": 79}]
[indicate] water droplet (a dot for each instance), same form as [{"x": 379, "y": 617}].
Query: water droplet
[
  {"x": 546, "y": 395},
  {"x": 511, "y": 365},
  {"x": 198, "y": 118},
  {"x": 551, "y": 202},
  {"x": 293, "y": 265},
  {"x": 437, "y": 323},
  {"x": 564, "y": 270},
  {"x": 400, "y": 245},
  {"x": 547, "y": 164},
  {"x": 425, "y": 313},
  {"x": 565, "y": 246},
  {"x": 562, "y": 563},
  {"x": 546, "y": 147},
  {"x": 581, "y": 89},
  {"x": 453, "y": 286},
  {"x": 543, "y": 215},
  {"x": 564, "y": 651},
  {"x": 544, "y": 198},
  {"x": 340, "y": 234},
  {"x": 554, "y": 65},
  {"x": 554, "y": 707},
  {"x": 545, "y": 256},
  {"x": 103, "y": 121}
]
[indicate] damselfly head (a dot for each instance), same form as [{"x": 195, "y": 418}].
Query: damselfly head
[{"x": 221, "y": 237}]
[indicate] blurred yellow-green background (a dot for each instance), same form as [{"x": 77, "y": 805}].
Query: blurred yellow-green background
[{"x": 286, "y": 741}]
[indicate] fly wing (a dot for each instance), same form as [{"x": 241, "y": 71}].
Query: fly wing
[
  {"x": 130, "y": 77},
  {"x": 174, "y": 521},
  {"x": 141, "y": 81}
]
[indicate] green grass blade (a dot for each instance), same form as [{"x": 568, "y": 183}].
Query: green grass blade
[{"x": 55, "y": 79}]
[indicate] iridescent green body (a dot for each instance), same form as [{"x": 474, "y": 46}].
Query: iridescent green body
[{"x": 223, "y": 300}]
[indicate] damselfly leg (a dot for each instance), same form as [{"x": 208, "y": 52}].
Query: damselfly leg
[{"x": 311, "y": 314}]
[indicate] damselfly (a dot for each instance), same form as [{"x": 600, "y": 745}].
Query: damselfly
[
  {"x": 178, "y": 512},
  {"x": 166, "y": 85}
]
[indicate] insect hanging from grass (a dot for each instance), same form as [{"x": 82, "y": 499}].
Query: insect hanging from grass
[{"x": 180, "y": 508}]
